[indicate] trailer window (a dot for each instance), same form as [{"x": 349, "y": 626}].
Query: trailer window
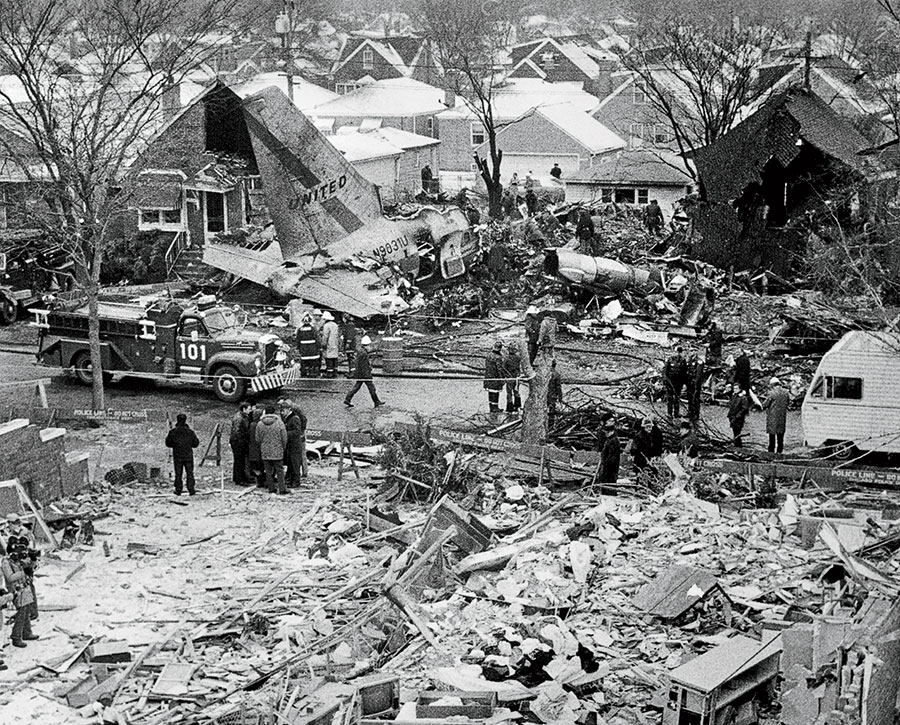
[
  {"x": 844, "y": 388},
  {"x": 818, "y": 388}
]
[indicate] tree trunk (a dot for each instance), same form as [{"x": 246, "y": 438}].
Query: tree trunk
[
  {"x": 495, "y": 200},
  {"x": 92, "y": 290},
  {"x": 535, "y": 412}
]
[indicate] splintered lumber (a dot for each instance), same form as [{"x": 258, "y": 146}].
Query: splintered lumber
[
  {"x": 262, "y": 595},
  {"x": 493, "y": 559},
  {"x": 172, "y": 681}
]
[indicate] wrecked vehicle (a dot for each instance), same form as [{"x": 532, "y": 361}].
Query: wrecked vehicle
[{"x": 202, "y": 343}]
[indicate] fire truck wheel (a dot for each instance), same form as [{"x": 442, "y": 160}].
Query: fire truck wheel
[
  {"x": 228, "y": 384},
  {"x": 8, "y": 310},
  {"x": 84, "y": 371}
]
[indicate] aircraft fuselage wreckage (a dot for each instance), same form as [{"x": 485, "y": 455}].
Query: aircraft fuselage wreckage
[
  {"x": 601, "y": 275},
  {"x": 335, "y": 247}
]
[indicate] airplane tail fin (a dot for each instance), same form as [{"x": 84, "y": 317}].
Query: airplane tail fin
[{"x": 314, "y": 195}]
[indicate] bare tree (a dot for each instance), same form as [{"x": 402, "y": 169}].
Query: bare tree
[
  {"x": 696, "y": 77},
  {"x": 470, "y": 38},
  {"x": 85, "y": 89}
]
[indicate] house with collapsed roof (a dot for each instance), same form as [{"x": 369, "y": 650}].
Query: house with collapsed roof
[
  {"x": 539, "y": 123},
  {"x": 363, "y": 60},
  {"x": 761, "y": 183},
  {"x": 565, "y": 60}
]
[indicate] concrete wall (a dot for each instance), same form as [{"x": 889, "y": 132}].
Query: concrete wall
[{"x": 38, "y": 459}]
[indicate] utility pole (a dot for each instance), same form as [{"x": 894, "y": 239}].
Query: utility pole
[
  {"x": 284, "y": 26},
  {"x": 807, "y": 59}
]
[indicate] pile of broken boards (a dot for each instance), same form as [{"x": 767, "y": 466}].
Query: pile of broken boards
[{"x": 583, "y": 612}]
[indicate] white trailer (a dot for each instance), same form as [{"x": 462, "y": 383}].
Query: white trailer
[{"x": 853, "y": 402}]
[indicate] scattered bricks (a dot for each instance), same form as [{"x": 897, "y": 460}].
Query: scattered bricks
[{"x": 109, "y": 652}]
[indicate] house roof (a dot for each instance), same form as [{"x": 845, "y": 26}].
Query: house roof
[
  {"x": 389, "y": 98},
  {"x": 518, "y": 96},
  {"x": 714, "y": 668},
  {"x": 736, "y": 159},
  {"x": 405, "y": 139},
  {"x": 363, "y": 146},
  {"x": 306, "y": 95},
  {"x": 634, "y": 166},
  {"x": 582, "y": 127},
  {"x": 585, "y": 58},
  {"x": 402, "y": 51}
]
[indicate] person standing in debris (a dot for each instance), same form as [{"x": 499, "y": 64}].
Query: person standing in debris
[
  {"x": 584, "y": 231},
  {"x": 532, "y": 332},
  {"x": 738, "y": 409},
  {"x": 776, "y": 407},
  {"x": 674, "y": 374},
  {"x": 331, "y": 344},
  {"x": 182, "y": 440},
  {"x": 6, "y": 598},
  {"x": 529, "y": 180},
  {"x": 239, "y": 440},
  {"x": 427, "y": 178},
  {"x": 350, "y": 342},
  {"x": 556, "y": 172},
  {"x": 653, "y": 218},
  {"x": 254, "y": 453},
  {"x": 295, "y": 452},
  {"x": 742, "y": 371},
  {"x": 16, "y": 579},
  {"x": 610, "y": 454},
  {"x": 689, "y": 444},
  {"x": 554, "y": 393},
  {"x": 462, "y": 198},
  {"x": 512, "y": 368},
  {"x": 714, "y": 342},
  {"x": 494, "y": 377},
  {"x": 363, "y": 375},
  {"x": 272, "y": 438},
  {"x": 308, "y": 347},
  {"x": 531, "y": 201},
  {"x": 643, "y": 447},
  {"x": 694, "y": 384}
]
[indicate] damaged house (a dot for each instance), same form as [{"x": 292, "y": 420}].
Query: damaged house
[{"x": 791, "y": 166}]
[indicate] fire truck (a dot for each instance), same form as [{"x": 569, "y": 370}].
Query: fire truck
[{"x": 198, "y": 342}]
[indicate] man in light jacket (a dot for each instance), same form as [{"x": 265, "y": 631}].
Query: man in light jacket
[
  {"x": 776, "y": 407},
  {"x": 272, "y": 438},
  {"x": 331, "y": 339}
]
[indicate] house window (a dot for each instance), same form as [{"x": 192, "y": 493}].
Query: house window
[
  {"x": 643, "y": 196},
  {"x": 639, "y": 94},
  {"x": 254, "y": 182},
  {"x": 429, "y": 126},
  {"x": 548, "y": 60},
  {"x": 624, "y": 196},
  {"x": 342, "y": 89},
  {"x": 165, "y": 219},
  {"x": 637, "y": 134},
  {"x": 477, "y": 133},
  {"x": 368, "y": 59},
  {"x": 662, "y": 135},
  {"x": 606, "y": 195}
]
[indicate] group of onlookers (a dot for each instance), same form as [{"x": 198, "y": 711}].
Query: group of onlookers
[{"x": 18, "y": 559}]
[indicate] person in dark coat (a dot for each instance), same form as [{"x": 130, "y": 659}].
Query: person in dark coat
[
  {"x": 427, "y": 178},
  {"x": 512, "y": 369},
  {"x": 776, "y": 407},
  {"x": 742, "y": 371},
  {"x": 689, "y": 444},
  {"x": 653, "y": 217},
  {"x": 532, "y": 332},
  {"x": 363, "y": 375},
  {"x": 182, "y": 440},
  {"x": 308, "y": 347},
  {"x": 531, "y": 202},
  {"x": 674, "y": 374},
  {"x": 556, "y": 172},
  {"x": 738, "y": 409},
  {"x": 610, "y": 454},
  {"x": 239, "y": 440},
  {"x": 494, "y": 377},
  {"x": 554, "y": 392},
  {"x": 714, "y": 341},
  {"x": 644, "y": 447},
  {"x": 350, "y": 341},
  {"x": 295, "y": 452},
  {"x": 254, "y": 454},
  {"x": 694, "y": 374},
  {"x": 584, "y": 231}
]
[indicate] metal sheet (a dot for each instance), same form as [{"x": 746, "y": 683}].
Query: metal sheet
[{"x": 675, "y": 590}]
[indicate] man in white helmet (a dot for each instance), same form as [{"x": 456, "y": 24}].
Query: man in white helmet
[{"x": 363, "y": 374}]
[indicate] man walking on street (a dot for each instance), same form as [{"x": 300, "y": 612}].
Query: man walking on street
[
  {"x": 673, "y": 379},
  {"x": 776, "y": 407},
  {"x": 272, "y": 438},
  {"x": 295, "y": 455},
  {"x": 363, "y": 375},
  {"x": 182, "y": 440},
  {"x": 331, "y": 340},
  {"x": 738, "y": 409},
  {"x": 494, "y": 378},
  {"x": 239, "y": 440}
]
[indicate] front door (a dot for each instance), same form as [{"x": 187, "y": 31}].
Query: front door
[
  {"x": 192, "y": 348},
  {"x": 215, "y": 214}
]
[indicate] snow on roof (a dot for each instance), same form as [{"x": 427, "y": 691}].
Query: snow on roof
[
  {"x": 406, "y": 140},
  {"x": 306, "y": 95},
  {"x": 363, "y": 146},
  {"x": 582, "y": 127},
  {"x": 389, "y": 98},
  {"x": 518, "y": 96},
  {"x": 654, "y": 167}
]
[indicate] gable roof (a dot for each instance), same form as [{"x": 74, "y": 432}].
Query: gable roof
[
  {"x": 519, "y": 96},
  {"x": 773, "y": 131},
  {"x": 634, "y": 166},
  {"x": 402, "y": 52},
  {"x": 584, "y": 57},
  {"x": 389, "y": 98},
  {"x": 582, "y": 127}
]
